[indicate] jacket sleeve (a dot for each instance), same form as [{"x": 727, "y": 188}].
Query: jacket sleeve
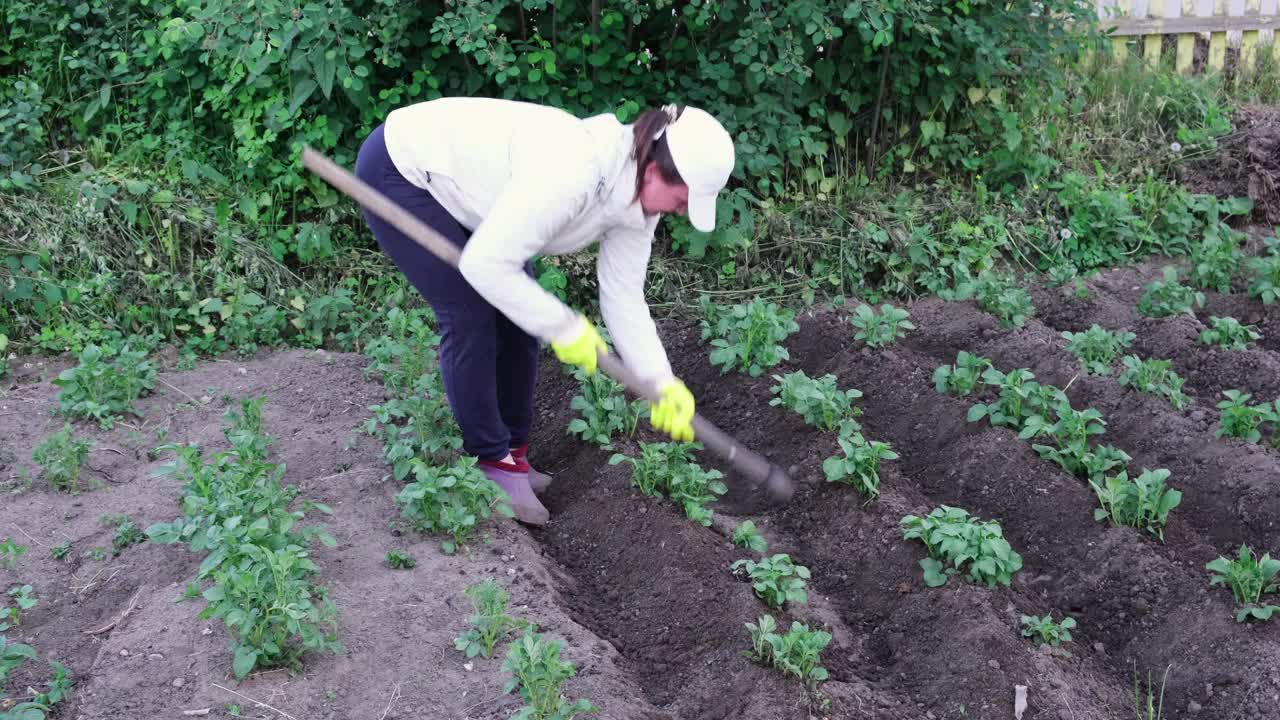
[
  {"x": 526, "y": 215},
  {"x": 621, "y": 268}
]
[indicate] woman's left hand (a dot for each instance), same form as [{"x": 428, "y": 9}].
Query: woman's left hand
[{"x": 673, "y": 414}]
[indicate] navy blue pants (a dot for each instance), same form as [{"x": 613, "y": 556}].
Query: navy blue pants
[{"x": 489, "y": 365}]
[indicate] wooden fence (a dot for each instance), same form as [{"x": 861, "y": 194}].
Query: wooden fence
[{"x": 1249, "y": 25}]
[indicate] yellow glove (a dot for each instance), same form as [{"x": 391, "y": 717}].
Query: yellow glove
[
  {"x": 674, "y": 413},
  {"x": 581, "y": 350}
]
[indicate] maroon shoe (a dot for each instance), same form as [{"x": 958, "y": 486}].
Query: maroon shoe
[
  {"x": 513, "y": 478},
  {"x": 537, "y": 480}
]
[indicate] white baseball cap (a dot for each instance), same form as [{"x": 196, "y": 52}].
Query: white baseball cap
[{"x": 703, "y": 154}]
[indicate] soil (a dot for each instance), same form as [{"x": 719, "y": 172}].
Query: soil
[
  {"x": 644, "y": 599},
  {"x": 1247, "y": 163}
]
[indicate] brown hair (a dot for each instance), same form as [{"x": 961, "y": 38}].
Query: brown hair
[{"x": 645, "y": 149}]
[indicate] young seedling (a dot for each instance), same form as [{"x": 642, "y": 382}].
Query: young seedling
[
  {"x": 1249, "y": 579},
  {"x": 1143, "y": 503},
  {"x": 604, "y": 409},
  {"x": 819, "y": 401},
  {"x": 1046, "y": 631},
  {"x": 1021, "y": 398},
  {"x": 10, "y": 552},
  {"x": 451, "y": 500},
  {"x": 746, "y": 535},
  {"x": 860, "y": 466},
  {"x": 490, "y": 622},
  {"x": 23, "y": 599},
  {"x": 1097, "y": 348},
  {"x": 1265, "y": 284},
  {"x": 1154, "y": 378},
  {"x": 797, "y": 653},
  {"x": 12, "y": 656},
  {"x": 954, "y": 541},
  {"x": 1167, "y": 297},
  {"x": 1228, "y": 334},
  {"x": 61, "y": 551},
  {"x": 961, "y": 377},
  {"x": 1238, "y": 419},
  {"x": 747, "y": 337},
  {"x": 538, "y": 673},
  {"x": 60, "y": 457},
  {"x": 105, "y": 389},
  {"x": 776, "y": 580},
  {"x": 126, "y": 532},
  {"x": 1070, "y": 433},
  {"x": 400, "y": 560},
  {"x": 878, "y": 330}
]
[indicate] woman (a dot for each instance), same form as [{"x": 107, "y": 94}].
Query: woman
[{"x": 505, "y": 181}]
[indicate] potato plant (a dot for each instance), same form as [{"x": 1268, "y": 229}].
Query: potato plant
[
  {"x": 400, "y": 560},
  {"x": 667, "y": 470},
  {"x": 997, "y": 293},
  {"x": 1238, "y": 419},
  {"x": 1168, "y": 296},
  {"x": 1046, "y": 631},
  {"x": 604, "y": 409},
  {"x": 860, "y": 465},
  {"x": 421, "y": 426},
  {"x": 1142, "y": 503},
  {"x": 12, "y": 656},
  {"x": 10, "y": 552},
  {"x": 538, "y": 673},
  {"x": 880, "y": 329},
  {"x": 797, "y": 652},
  {"x": 1154, "y": 377},
  {"x": 60, "y": 458},
  {"x": 1097, "y": 348},
  {"x": 1265, "y": 281},
  {"x": 24, "y": 598},
  {"x": 961, "y": 377},
  {"x": 1229, "y": 334},
  {"x": 776, "y": 580},
  {"x": 490, "y": 622},
  {"x": 127, "y": 533},
  {"x": 1249, "y": 578},
  {"x": 1215, "y": 262},
  {"x": 1070, "y": 433},
  {"x": 451, "y": 500},
  {"x": 746, "y": 535},
  {"x": 955, "y": 542},
  {"x": 1021, "y": 398},
  {"x": 105, "y": 383},
  {"x": 747, "y": 337},
  {"x": 405, "y": 355},
  {"x": 1103, "y": 459},
  {"x": 818, "y": 400}
]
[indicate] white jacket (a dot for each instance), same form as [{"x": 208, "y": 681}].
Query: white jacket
[{"x": 535, "y": 180}]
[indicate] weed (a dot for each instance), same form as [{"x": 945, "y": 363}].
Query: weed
[
  {"x": 60, "y": 457},
  {"x": 1249, "y": 579},
  {"x": 1237, "y": 419},
  {"x": 23, "y": 599},
  {"x": 961, "y": 377},
  {"x": 400, "y": 560},
  {"x": 604, "y": 408},
  {"x": 1097, "y": 347},
  {"x": 490, "y": 622},
  {"x": 1143, "y": 503},
  {"x": 1229, "y": 334},
  {"x": 1265, "y": 283},
  {"x": 61, "y": 551},
  {"x": 878, "y": 330},
  {"x": 860, "y": 466},
  {"x": 667, "y": 469},
  {"x": 747, "y": 337},
  {"x": 1046, "y": 630},
  {"x": 538, "y": 673},
  {"x": 798, "y": 652},
  {"x": 126, "y": 532},
  {"x": 1166, "y": 297},
  {"x": 817, "y": 400},
  {"x": 95, "y": 553},
  {"x": 102, "y": 388},
  {"x": 1154, "y": 377},
  {"x": 1149, "y": 709},
  {"x": 746, "y": 535},
  {"x": 10, "y": 552},
  {"x": 776, "y": 580},
  {"x": 954, "y": 541},
  {"x": 451, "y": 500}
]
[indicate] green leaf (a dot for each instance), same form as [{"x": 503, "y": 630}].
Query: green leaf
[{"x": 246, "y": 658}]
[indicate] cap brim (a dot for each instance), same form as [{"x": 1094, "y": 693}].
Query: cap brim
[{"x": 702, "y": 212}]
